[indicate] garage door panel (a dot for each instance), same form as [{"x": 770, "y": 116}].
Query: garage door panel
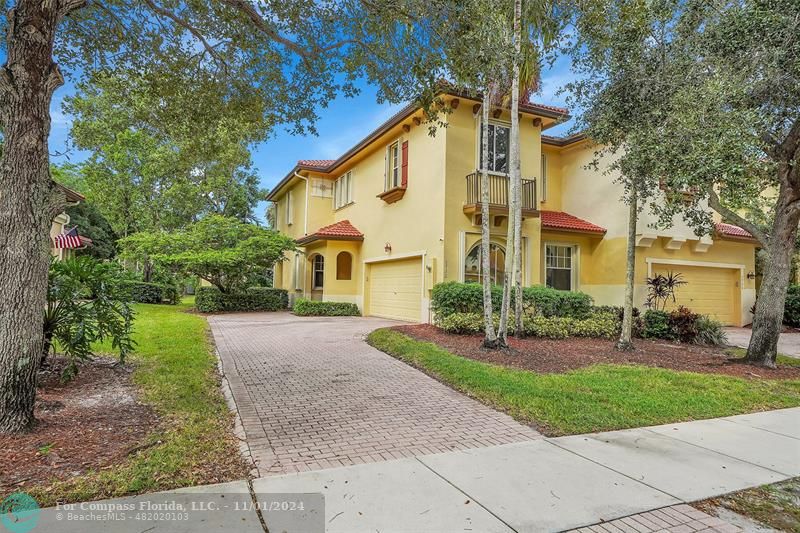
[
  {"x": 395, "y": 289},
  {"x": 708, "y": 290}
]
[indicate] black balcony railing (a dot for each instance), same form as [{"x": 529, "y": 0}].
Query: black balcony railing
[{"x": 498, "y": 191}]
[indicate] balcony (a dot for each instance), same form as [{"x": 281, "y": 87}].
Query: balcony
[{"x": 498, "y": 195}]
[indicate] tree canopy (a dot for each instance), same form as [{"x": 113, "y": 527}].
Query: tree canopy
[{"x": 221, "y": 250}]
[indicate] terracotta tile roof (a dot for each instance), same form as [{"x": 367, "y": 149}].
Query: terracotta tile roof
[
  {"x": 729, "y": 230},
  {"x": 558, "y": 220},
  {"x": 562, "y": 110},
  {"x": 316, "y": 163},
  {"x": 341, "y": 231}
]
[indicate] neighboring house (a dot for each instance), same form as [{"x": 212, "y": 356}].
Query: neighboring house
[
  {"x": 64, "y": 240},
  {"x": 400, "y": 212}
]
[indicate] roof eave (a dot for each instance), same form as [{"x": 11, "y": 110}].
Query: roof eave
[
  {"x": 314, "y": 238},
  {"x": 596, "y": 233}
]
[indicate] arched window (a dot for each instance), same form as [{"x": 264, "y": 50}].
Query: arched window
[
  {"x": 344, "y": 266},
  {"x": 318, "y": 275},
  {"x": 497, "y": 261}
]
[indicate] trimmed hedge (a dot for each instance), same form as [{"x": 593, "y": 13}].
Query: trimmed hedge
[
  {"x": 152, "y": 293},
  {"x": 303, "y": 307},
  {"x": 604, "y": 325},
  {"x": 212, "y": 300},
  {"x": 454, "y": 297},
  {"x": 791, "y": 309}
]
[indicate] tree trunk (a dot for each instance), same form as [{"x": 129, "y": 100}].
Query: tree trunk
[
  {"x": 768, "y": 319},
  {"x": 516, "y": 173},
  {"x": 625, "y": 343},
  {"x": 28, "y": 201},
  {"x": 490, "y": 337}
]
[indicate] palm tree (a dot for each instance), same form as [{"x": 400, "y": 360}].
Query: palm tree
[{"x": 535, "y": 26}]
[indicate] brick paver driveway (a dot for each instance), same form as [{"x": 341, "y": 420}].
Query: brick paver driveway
[{"x": 312, "y": 395}]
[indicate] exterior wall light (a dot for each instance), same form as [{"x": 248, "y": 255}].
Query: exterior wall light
[
  {"x": 387, "y": 248},
  {"x": 751, "y": 275}
]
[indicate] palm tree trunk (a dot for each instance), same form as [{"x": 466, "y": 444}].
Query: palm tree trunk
[
  {"x": 516, "y": 172},
  {"x": 625, "y": 343},
  {"x": 490, "y": 337}
]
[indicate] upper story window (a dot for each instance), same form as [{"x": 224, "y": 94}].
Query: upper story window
[
  {"x": 499, "y": 136},
  {"x": 544, "y": 178},
  {"x": 559, "y": 266},
  {"x": 289, "y": 208},
  {"x": 393, "y": 166},
  {"x": 343, "y": 191}
]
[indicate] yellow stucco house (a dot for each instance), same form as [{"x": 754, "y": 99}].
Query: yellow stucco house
[{"x": 400, "y": 212}]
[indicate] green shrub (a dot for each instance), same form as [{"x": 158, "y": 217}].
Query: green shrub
[
  {"x": 550, "y": 327},
  {"x": 454, "y": 297},
  {"x": 791, "y": 309},
  {"x": 619, "y": 312},
  {"x": 212, "y": 300},
  {"x": 303, "y": 307},
  {"x": 657, "y": 326},
  {"x": 87, "y": 302},
  {"x": 462, "y": 323},
  {"x": 606, "y": 325},
  {"x": 552, "y": 302},
  {"x": 152, "y": 293},
  {"x": 709, "y": 331},
  {"x": 683, "y": 323}
]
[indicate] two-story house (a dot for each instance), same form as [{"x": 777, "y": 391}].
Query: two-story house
[{"x": 400, "y": 212}]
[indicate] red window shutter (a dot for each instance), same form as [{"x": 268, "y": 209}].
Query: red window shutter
[{"x": 404, "y": 166}]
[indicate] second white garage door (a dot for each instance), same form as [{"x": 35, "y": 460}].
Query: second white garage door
[{"x": 395, "y": 289}]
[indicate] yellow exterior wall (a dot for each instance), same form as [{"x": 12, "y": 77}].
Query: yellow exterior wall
[
  {"x": 552, "y": 202},
  {"x": 462, "y": 158},
  {"x": 429, "y": 221}
]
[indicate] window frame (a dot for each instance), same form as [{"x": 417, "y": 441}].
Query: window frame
[
  {"x": 574, "y": 263},
  {"x": 347, "y": 180},
  {"x": 314, "y": 271},
  {"x": 289, "y": 209},
  {"x": 477, "y": 246},
  {"x": 479, "y": 152},
  {"x": 395, "y": 171}
]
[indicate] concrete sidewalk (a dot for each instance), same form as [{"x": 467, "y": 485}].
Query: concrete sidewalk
[
  {"x": 634, "y": 480},
  {"x": 557, "y": 484}
]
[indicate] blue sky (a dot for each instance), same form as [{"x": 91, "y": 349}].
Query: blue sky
[{"x": 342, "y": 124}]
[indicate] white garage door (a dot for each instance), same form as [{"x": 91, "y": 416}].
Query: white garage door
[
  {"x": 708, "y": 291},
  {"x": 395, "y": 289}
]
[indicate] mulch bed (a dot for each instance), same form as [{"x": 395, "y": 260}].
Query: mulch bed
[
  {"x": 88, "y": 423},
  {"x": 558, "y": 356}
]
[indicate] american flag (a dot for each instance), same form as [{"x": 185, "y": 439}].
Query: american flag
[{"x": 68, "y": 239}]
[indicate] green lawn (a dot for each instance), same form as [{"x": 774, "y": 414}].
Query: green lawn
[
  {"x": 176, "y": 373},
  {"x": 597, "y": 398}
]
